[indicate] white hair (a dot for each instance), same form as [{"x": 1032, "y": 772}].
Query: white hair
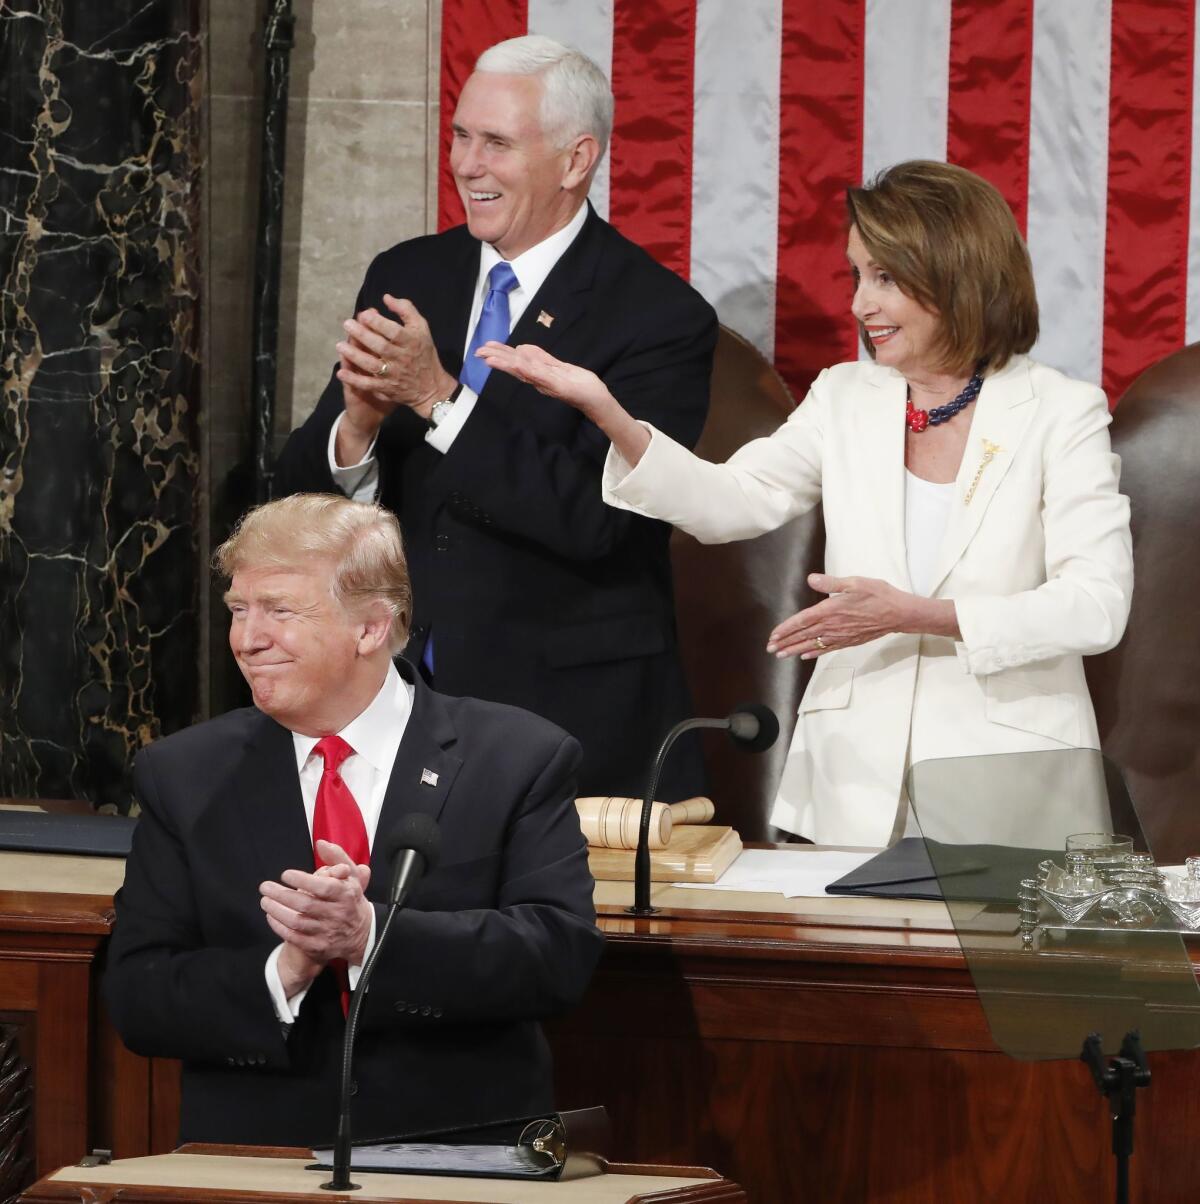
[{"x": 576, "y": 97}]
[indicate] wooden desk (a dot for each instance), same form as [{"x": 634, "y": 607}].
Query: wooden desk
[
  {"x": 831, "y": 1050},
  {"x": 263, "y": 1176},
  {"x": 71, "y": 1084},
  {"x": 835, "y": 1050}
]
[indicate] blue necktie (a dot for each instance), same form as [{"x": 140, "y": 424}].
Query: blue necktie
[{"x": 492, "y": 324}]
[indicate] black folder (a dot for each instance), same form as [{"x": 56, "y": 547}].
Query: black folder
[
  {"x": 46, "y": 832},
  {"x": 980, "y": 872},
  {"x": 551, "y": 1146}
]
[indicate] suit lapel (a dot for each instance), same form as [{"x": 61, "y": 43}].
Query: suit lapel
[
  {"x": 1002, "y": 415},
  {"x": 422, "y": 774},
  {"x": 270, "y": 805},
  {"x": 879, "y": 436},
  {"x": 563, "y": 298},
  {"x": 456, "y": 298}
]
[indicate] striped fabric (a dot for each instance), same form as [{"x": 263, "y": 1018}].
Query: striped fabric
[{"x": 739, "y": 124}]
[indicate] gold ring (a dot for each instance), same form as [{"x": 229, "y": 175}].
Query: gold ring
[
  {"x": 819, "y": 642},
  {"x": 382, "y": 370}
]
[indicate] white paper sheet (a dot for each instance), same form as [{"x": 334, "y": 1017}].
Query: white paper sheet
[{"x": 785, "y": 872}]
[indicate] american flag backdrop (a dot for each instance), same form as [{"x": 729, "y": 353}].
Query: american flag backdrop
[{"x": 739, "y": 124}]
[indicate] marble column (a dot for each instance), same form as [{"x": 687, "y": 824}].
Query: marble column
[{"x": 101, "y": 111}]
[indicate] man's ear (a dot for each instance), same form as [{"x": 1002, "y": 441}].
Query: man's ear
[
  {"x": 375, "y": 629},
  {"x": 583, "y": 152}
]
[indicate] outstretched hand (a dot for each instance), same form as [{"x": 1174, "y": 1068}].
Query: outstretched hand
[
  {"x": 576, "y": 386},
  {"x": 858, "y": 610}
]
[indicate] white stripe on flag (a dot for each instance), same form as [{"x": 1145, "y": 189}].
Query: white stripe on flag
[
  {"x": 1068, "y": 179},
  {"x": 906, "y": 82},
  {"x": 906, "y": 85},
  {"x": 588, "y": 26},
  {"x": 1192, "y": 331},
  {"x": 735, "y": 163}
]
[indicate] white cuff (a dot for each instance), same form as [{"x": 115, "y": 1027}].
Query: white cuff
[
  {"x": 357, "y": 481},
  {"x": 618, "y": 471},
  {"x": 441, "y": 437},
  {"x": 285, "y": 1009}
]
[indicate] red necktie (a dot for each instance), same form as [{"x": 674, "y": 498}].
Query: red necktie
[{"x": 336, "y": 818}]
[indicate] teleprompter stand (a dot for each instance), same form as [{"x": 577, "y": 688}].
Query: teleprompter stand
[
  {"x": 1055, "y": 954},
  {"x": 1118, "y": 1080}
]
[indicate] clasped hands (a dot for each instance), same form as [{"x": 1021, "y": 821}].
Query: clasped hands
[
  {"x": 320, "y": 916},
  {"x": 385, "y": 363}
]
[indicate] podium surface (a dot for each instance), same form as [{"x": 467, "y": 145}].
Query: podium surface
[{"x": 215, "y": 1173}]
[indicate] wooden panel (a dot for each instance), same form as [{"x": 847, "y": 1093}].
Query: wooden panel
[
  {"x": 61, "y": 1097},
  {"x": 18, "y": 985}
]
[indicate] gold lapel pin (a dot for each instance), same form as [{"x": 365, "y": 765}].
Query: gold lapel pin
[
  {"x": 428, "y": 777},
  {"x": 545, "y": 319},
  {"x": 990, "y": 451}
]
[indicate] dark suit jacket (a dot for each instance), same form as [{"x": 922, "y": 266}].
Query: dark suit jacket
[
  {"x": 539, "y": 594},
  {"x": 501, "y": 933}
]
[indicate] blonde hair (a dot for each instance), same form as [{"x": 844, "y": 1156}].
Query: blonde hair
[
  {"x": 950, "y": 241},
  {"x": 361, "y": 539}
]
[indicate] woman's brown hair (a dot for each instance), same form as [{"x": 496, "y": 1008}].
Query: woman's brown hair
[{"x": 951, "y": 242}]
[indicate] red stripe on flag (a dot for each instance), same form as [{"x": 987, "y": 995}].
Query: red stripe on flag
[
  {"x": 469, "y": 27},
  {"x": 650, "y": 177},
  {"x": 820, "y": 155},
  {"x": 1149, "y": 140},
  {"x": 991, "y": 58}
]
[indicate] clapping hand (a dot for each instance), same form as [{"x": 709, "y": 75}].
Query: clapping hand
[{"x": 319, "y": 915}]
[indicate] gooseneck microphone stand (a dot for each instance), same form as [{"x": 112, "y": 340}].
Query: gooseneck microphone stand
[
  {"x": 418, "y": 852},
  {"x": 751, "y": 725}
]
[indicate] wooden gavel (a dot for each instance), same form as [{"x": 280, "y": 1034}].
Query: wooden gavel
[{"x": 612, "y": 822}]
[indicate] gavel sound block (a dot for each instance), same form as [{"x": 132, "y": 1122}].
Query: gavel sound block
[{"x": 683, "y": 848}]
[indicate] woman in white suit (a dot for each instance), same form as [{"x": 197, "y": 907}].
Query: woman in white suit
[{"x": 977, "y": 546}]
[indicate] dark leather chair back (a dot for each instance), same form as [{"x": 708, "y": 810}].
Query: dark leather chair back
[
  {"x": 730, "y": 596},
  {"x": 1147, "y": 690}
]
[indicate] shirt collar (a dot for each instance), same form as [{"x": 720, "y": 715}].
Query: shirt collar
[
  {"x": 533, "y": 266},
  {"x": 376, "y": 733}
]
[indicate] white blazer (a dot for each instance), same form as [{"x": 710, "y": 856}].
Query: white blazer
[{"x": 1036, "y": 556}]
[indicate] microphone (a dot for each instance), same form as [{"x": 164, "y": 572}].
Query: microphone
[
  {"x": 418, "y": 841},
  {"x": 750, "y": 725},
  {"x": 753, "y": 726}
]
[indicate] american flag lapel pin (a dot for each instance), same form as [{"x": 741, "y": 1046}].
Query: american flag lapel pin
[
  {"x": 545, "y": 319},
  {"x": 428, "y": 777}
]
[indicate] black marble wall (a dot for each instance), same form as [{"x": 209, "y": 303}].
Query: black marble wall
[{"x": 100, "y": 155}]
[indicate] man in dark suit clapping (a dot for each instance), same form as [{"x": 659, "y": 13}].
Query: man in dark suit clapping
[
  {"x": 260, "y": 864},
  {"x": 529, "y": 589}
]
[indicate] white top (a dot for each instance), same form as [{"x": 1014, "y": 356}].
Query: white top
[
  {"x": 360, "y": 481},
  {"x": 375, "y": 736},
  {"x": 926, "y": 513}
]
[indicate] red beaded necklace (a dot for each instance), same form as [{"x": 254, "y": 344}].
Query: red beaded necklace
[{"x": 917, "y": 420}]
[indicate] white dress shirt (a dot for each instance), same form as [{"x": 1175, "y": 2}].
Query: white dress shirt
[
  {"x": 375, "y": 737},
  {"x": 360, "y": 481}
]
